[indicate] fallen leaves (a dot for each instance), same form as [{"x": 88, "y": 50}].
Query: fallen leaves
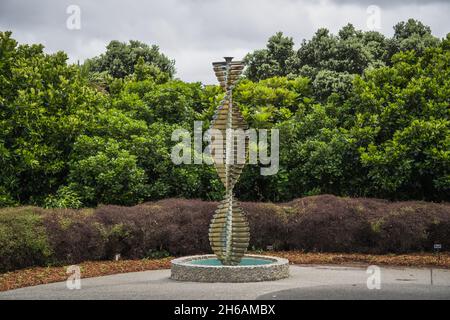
[
  {"x": 406, "y": 260},
  {"x": 42, "y": 275}
]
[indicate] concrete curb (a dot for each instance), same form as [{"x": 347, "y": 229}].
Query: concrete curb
[{"x": 182, "y": 270}]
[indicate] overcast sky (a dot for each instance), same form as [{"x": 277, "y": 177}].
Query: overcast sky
[{"x": 197, "y": 32}]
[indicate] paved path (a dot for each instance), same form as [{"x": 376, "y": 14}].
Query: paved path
[{"x": 306, "y": 282}]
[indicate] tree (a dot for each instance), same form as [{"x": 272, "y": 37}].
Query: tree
[
  {"x": 349, "y": 123},
  {"x": 120, "y": 59},
  {"x": 272, "y": 61},
  {"x": 410, "y": 35},
  {"x": 110, "y": 175},
  {"x": 351, "y": 51},
  {"x": 408, "y": 104},
  {"x": 45, "y": 105},
  {"x": 273, "y": 100},
  {"x": 329, "y": 82},
  {"x": 335, "y": 58}
]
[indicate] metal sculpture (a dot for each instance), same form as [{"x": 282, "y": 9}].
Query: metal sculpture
[{"x": 229, "y": 233}]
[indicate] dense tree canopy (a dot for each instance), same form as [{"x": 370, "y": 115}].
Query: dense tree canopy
[
  {"x": 273, "y": 61},
  {"x": 359, "y": 114},
  {"x": 45, "y": 105},
  {"x": 120, "y": 59},
  {"x": 330, "y": 61}
]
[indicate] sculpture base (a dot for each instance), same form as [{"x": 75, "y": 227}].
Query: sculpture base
[{"x": 208, "y": 268}]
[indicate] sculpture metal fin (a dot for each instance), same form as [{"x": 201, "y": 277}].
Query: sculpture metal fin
[{"x": 229, "y": 233}]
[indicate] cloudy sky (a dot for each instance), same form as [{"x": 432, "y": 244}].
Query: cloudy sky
[{"x": 197, "y": 32}]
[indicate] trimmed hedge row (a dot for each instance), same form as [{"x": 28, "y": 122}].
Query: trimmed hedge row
[{"x": 32, "y": 236}]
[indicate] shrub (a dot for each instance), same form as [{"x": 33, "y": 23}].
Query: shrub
[
  {"x": 109, "y": 176},
  {"x": 176, "y": 226},
  {"x": 65, "y": 198},
  {"x": 327, "y": 223},
  {"x": 23, "y": 240},
  {"x": 268, "y": 225},
  {"x": 5, "y": 198},
  {"x": 73, "y": 237},
  {"x": 413, "y": 226},
  {"x": 36, "y": 237}
]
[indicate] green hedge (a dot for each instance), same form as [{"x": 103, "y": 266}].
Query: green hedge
[{"x": 31, "y": 236}]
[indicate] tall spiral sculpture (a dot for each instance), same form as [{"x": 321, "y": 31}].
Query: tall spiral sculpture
[{"x": 229, "y": 233}]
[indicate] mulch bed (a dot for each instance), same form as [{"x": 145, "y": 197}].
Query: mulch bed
[
  {"x": 418, "y": 260},
  {"x": 43, "y": 275}
]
